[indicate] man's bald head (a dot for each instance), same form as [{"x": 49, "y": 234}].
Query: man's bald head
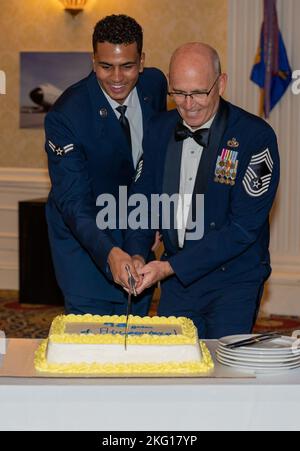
[
  {"x": 196, "y": 53},
  {"x": 195, "y": 68}
]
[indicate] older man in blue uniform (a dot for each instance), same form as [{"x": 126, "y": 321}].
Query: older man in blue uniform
[
  {"x": 224, "y": 163},
  {"x": 94, "y": 143}
]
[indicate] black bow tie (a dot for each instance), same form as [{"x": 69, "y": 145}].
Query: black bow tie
[{"x": 201, "y": 136}]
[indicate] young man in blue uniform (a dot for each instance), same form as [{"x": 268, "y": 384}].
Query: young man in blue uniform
[
  {"x": 94, "y": 143},
  {"x": 211, "y": 150}
]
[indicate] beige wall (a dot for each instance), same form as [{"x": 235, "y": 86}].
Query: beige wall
[{"x": 42, "y": 25}]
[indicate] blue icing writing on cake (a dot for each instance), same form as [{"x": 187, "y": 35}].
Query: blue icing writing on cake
[{"x": 119, "y": 328}]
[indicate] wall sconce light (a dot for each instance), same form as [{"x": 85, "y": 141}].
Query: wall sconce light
[{"x": 74, "y": 6}]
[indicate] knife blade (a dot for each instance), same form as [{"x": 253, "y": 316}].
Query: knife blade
[
  {"x": 253, "y": 340},
  {"x": 132, "y": 290}
]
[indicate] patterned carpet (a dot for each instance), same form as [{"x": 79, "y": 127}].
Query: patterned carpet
[
  {"x": 33, "y": 320},
  {"x": 25, "y": 320}
]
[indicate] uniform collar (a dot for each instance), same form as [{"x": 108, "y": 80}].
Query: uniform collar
[
  {"x": 206, "y": 125},
  {"x": 130, "y": 101}
]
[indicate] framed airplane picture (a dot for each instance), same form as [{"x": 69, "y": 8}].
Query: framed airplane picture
[{"x": 44, "y": 77}]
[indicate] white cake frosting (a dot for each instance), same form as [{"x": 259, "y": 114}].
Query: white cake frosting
[{"x": 109, "y": 353}]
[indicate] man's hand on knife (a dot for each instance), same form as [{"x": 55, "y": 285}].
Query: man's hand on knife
[
  {"x": 144, "y": 275},
  {"x": 118, "y": 260},
  {"x": 152, "y": 273}
]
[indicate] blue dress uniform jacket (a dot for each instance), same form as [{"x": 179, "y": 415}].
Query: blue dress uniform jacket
[
  {"x": 219, "y": 278},
  {"x": 88, "y": 155}
]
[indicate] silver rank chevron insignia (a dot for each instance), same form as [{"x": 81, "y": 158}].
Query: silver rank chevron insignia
[
  {"x": 60, "y": 151},
  {"x": 258, "y": 174},
  {"x": 226, "y": 167}
]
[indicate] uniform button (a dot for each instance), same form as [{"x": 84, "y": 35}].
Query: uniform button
[
  {"x": 191, "y": 178},
  {"x": 212, "y": 225},
  {"x": 165, "y": 254},
  {"x": 223, "y": 268}
]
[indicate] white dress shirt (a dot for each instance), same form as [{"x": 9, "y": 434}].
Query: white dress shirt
[
  {"x": 190, "y": 159},
  {"x": 135, "y": 119}
]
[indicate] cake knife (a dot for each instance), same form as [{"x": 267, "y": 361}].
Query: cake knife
[
  {"x": 249, "y": 341},
  {"x": 132, "y": 290}
]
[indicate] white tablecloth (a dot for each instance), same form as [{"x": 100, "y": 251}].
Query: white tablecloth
[{"x": 268, "y": 402}]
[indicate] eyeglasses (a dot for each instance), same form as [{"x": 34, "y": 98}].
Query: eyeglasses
[{"x": 195, "y": 95}]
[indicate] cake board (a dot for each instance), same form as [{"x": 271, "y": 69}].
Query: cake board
[{"x": 19, "y": 362}]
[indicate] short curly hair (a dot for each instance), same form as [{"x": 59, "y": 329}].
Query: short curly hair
[{"x": 118, "y": 29}]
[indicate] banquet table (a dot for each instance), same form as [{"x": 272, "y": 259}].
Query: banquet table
[{"x": 229, "y": 402}]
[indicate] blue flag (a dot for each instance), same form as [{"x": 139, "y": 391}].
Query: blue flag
[{"x": 271, "y": 70}]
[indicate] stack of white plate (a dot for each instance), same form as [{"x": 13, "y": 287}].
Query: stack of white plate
[{"x": 278, "y": 354}]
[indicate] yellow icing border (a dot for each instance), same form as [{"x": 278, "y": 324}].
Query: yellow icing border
[
  {"x": 57, "y": 332},
  {"x": 172, "y": 368}
]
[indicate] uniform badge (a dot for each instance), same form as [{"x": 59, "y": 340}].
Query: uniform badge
[
  {"x": 233, "y": 143},
  {"x": 258, "y": 174},
  {"x": 103, "y": 112},
  {"x": 139, "y": 169},
  {"x": 226, "y": 167},
  {"x": 60, "y": 151}
]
